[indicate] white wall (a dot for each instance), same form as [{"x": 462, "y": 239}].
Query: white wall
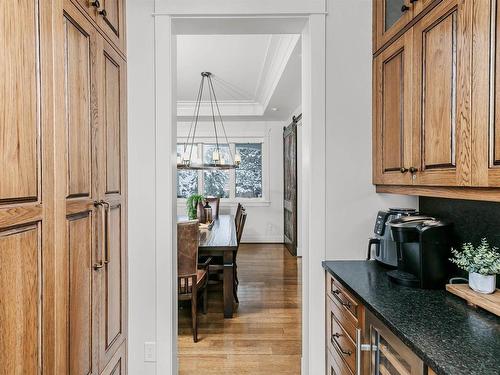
[
  {"x": 351, "y": 201},
  {"x": 141, "y": 184},
  {"x": 265, "y": 219}
]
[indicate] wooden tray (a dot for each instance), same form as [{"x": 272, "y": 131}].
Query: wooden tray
[{"x": 490, "y": 302}]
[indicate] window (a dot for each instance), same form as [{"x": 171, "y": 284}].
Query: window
[
  {"x": 244, "y": 182},
  {"x": 249, "y": 174},
  {"x": 187, "y": 181},
  {"x": 215, "y": 182}
]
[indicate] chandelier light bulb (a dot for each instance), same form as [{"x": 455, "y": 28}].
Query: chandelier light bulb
[{"x": 215, "y": 156}]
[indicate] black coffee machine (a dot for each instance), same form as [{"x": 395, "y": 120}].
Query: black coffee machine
[{"x": 423, "y": 245}]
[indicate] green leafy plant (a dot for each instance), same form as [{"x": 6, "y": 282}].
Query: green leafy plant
[
  {"x": 483, "y": 259},
  {"x": 192, "y": 205}
]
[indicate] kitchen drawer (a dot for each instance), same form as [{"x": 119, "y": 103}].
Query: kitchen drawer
[
  {"x": 338, "y": 340},
  {"x": 352, "y": 308},
  {"x": 343, "y": 317},
  {"x": 335, "y": 365}
]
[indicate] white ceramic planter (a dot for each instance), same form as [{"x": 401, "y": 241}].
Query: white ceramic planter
[{"x": 481, "y": 283}]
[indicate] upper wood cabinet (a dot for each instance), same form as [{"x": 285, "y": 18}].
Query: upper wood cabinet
[
  {"x": 110, "y": 17},
  {"x": 423, "y": 101},
  {"x": 392, "y": 75},
  {"x": 442, "y": 95},
  {"x": 486, "y": 91},
  {"x": 391, "y": 16}
]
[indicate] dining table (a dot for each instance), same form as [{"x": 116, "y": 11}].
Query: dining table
[{"x": 220, "y": 240}]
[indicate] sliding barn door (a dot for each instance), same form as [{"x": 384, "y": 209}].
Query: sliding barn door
[{"x": 290, "y": 186}]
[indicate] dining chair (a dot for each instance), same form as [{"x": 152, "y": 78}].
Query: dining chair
[
  {"x": 236, "y": 282},
  {"x": 192, "y": 278},
  {"x": 237, "y": 217}
]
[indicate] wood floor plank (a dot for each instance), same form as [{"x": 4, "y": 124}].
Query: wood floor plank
[{"x": 264, "y": 337}]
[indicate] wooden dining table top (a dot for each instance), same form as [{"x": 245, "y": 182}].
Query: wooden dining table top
[{"x": 222, "y": 235}]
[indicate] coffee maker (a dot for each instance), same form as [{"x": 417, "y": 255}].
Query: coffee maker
[
  {"x": 385, "y": 247},
  {"x": 423, "y": 247}
]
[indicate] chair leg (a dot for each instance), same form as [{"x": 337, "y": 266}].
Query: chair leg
[
  {"x": 235, "y": 292},
  {"x": 194, "y": 316},
  {"x": 205, "y": 300}
]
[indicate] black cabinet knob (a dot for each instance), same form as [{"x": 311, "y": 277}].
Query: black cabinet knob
[
  {"x": 103, "y": 13},
  {"x": 405, "y": 8},
  {"x": 403, "y": 170},
  {"x": 413, "y": 1},
  {"x": 413, "y": 170},
  {"x": 96, "y": 4}
]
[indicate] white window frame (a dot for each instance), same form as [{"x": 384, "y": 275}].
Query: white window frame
[{"x": 233, "y": 200}]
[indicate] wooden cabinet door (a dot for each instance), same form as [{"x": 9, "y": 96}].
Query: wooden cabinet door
[
  {"x": 83, "y": 220},
  {"x": 111, "y": 19},
  {"x": 392, "y": 113},
  {"x": 27, "y": 329},
  {"x": 442, "y": 96},
  {"x": 389, "y": 17},
  {"x": 112, "y": 176},
  {"x": 486, "y": 86}
]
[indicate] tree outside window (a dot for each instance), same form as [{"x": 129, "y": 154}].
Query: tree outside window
[{"x": 249, "y": 174}]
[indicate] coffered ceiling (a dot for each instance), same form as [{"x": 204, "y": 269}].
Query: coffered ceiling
[{"x": 256, "y": 77}]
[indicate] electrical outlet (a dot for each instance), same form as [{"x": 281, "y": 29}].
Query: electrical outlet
[{"x": 150, "y": 352}]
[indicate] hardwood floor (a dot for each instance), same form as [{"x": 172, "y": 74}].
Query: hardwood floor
[{"x": 264, "y": 337}]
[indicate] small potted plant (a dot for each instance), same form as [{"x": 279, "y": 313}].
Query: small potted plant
[
  {"x": 482, "y": 263},
  {"x": 192, "y": 205}
]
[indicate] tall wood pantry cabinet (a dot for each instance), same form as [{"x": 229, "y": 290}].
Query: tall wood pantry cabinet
[
  {"x": 435, "y": 118},
  {"x": 63, "y": 193}
]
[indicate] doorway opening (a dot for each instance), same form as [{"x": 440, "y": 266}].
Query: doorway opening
[
  {"x": 312, "y": 34},
  {"x": 249, "y": 90}
]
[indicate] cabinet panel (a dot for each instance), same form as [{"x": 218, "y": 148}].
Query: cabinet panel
[
  {"x": 20, "y": 296},
  {"x": 442, "y": 96},
  {"x": 112, "y": 87},
  {"x": 81, "y": 291},
  {"x": 19, "y": 100},
  {"x": 392, "y": 112},
  {"x": 78, "y": 107}
]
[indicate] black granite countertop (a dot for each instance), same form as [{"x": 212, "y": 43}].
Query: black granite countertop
[{"x": 449, "y": 336}]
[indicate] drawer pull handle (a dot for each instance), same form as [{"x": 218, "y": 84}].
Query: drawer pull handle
[
  {"x": 335, "y": 336},
  {"x": 336, "y": 293}
]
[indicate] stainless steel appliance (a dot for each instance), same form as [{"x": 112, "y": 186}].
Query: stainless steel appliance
[
  {"x": 423, "y": 246},
  {"x": 385, "y": 247},
  {"x": 388, "y": 354}
]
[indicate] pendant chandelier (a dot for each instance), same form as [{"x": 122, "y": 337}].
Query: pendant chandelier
[{"x": 188, "y": 160}]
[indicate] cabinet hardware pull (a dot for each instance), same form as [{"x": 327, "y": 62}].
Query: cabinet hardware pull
[
  {"x": 405, "y": 8},
  {"x": 100, "y": 263},
  {"x": 413, "y": 170},
  {"x": 103, "y": 13},
  {"x": 334, "y": 338},
  {"x": 106, "y": 235},
  {"x": 336, "y": 293},
  {"x": 413, "y": 1},
  {"x": 96, "y": 4},
  {"x": 403, "y": 170}
]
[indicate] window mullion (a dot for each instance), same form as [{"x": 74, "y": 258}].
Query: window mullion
[{"x": 232, "y": 175}]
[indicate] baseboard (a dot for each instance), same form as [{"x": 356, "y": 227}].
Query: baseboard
[{"x": 262, "y": 239}]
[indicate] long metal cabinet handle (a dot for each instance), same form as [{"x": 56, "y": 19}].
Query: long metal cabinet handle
[
  {"x": 100, "y": 263},
  {"x": 107, "y": 226},
  {"x": 359, "y": 349}
]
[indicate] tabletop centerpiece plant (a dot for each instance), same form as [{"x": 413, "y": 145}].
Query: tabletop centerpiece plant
[
  {"x": 192, "y": 205},
  {"x": 482, "y": 263}
]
